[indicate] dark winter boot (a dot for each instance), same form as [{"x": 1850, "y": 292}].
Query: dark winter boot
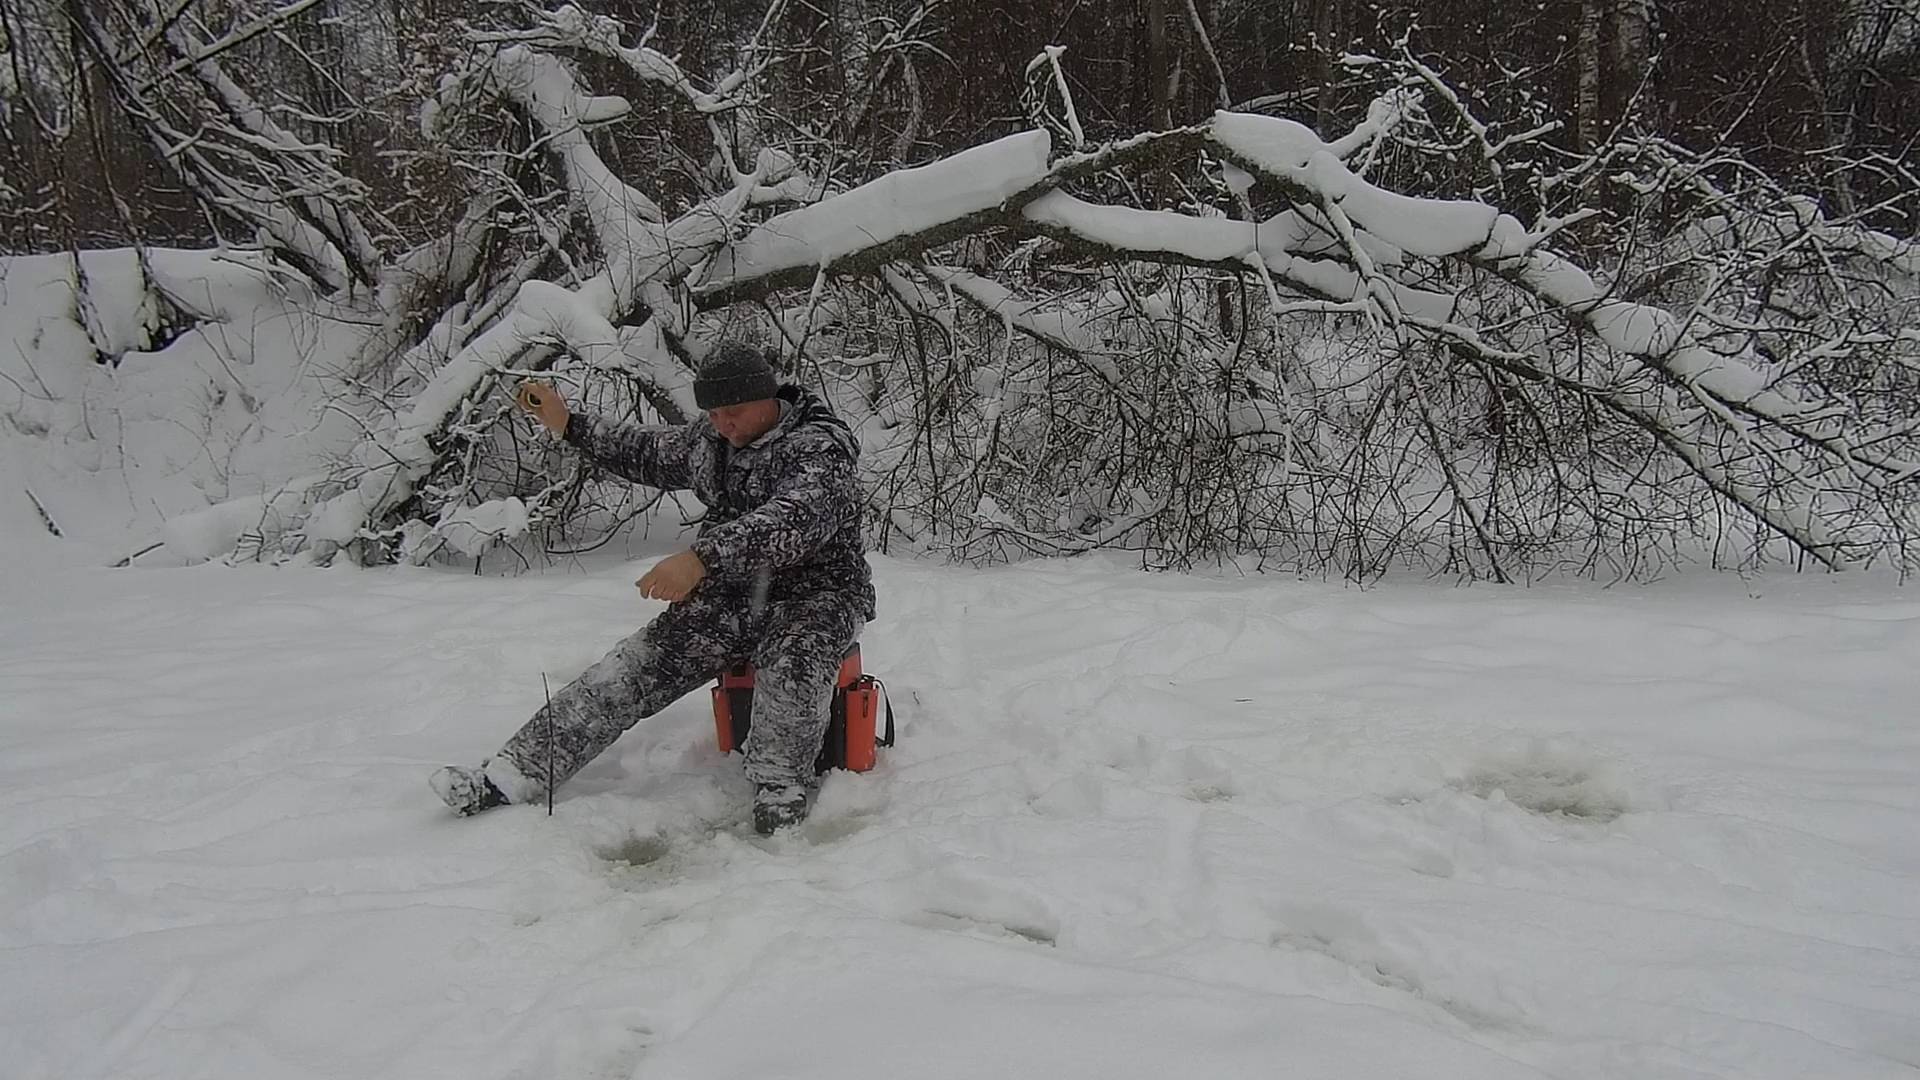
[
  {"x": 468, "y": 791},
  {"x": 776, "y": 806}
]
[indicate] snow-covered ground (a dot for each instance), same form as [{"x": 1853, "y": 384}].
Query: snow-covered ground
[
  {"x": 1137, "y": 826},
  {"x": 112, "y": 424}
]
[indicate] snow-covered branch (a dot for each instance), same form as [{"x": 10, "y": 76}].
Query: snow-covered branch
[
  {"x": 898, "y": 216},
  {"x": 570, "y": 27},
  {"x": 1237, "y": 332},
  {"x": 239, "y": 162},
  {"x": 640, "y": 258}
]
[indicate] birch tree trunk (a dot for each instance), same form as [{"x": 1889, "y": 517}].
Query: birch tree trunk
[
  {"x": 1589, "y": 63},
  {"x": 1631, "y": 32}
]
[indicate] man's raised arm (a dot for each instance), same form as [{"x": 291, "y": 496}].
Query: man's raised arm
[{"x": 645, "y": 454}]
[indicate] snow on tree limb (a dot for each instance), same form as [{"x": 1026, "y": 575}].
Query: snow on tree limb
[
  {"x": 545, "y": 87},
  {"x": 1281, "y": 244},
  {"x": 443, "y": 263},
  {"x": 569, "y": 27},
  {"x": 1293, "y": 157},
  {"x": 1006, "y": 182},
  {"x": 296, "y": 202},
  {"x": 195, "y": 54},
  {"x": 899, "y": 215},
  {"x": 326, "y": 195},
  {"x": 1051, "y": 325}
]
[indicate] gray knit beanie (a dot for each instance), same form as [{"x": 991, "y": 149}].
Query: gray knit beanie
[{"x": 735, "y": 372}]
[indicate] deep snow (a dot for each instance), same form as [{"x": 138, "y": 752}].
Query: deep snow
[
  {"x": 1137, "y": 826},
  {"x": 118, "y": 426}
]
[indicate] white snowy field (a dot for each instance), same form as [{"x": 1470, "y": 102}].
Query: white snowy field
[{"x": 1136, "y": 826}]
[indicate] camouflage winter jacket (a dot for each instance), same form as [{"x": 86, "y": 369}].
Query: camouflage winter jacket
[{"x": 783, "y": 514}]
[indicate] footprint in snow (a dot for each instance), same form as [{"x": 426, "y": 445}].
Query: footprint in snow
[
  {"x": 1552, "y": 783},
  {"x": 636, "y": 850}
]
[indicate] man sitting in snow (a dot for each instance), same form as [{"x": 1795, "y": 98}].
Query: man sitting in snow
[{"x": 778, "y": 575}]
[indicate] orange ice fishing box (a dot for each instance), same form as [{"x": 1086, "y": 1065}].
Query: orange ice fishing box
[{"x": 852, "y": 730}]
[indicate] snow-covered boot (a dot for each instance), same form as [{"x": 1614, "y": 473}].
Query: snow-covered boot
[
  {"x": 467, "y": 790},
  {"x": 776, "y": 806}
]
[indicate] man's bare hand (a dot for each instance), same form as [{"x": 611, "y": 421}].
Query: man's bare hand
[
  {"x": 673, "y": 578},
  {"x": 545, "y": 403}
]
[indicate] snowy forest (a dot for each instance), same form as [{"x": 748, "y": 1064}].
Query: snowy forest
[{"x": 1483, "y": 289}]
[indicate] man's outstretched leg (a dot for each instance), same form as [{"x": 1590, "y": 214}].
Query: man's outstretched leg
[
  {"x": 690, "y": 643},
  {"x": 795, "y": 664}
]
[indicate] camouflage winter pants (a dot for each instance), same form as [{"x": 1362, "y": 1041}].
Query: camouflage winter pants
[{"x": 795, "y": 643}]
